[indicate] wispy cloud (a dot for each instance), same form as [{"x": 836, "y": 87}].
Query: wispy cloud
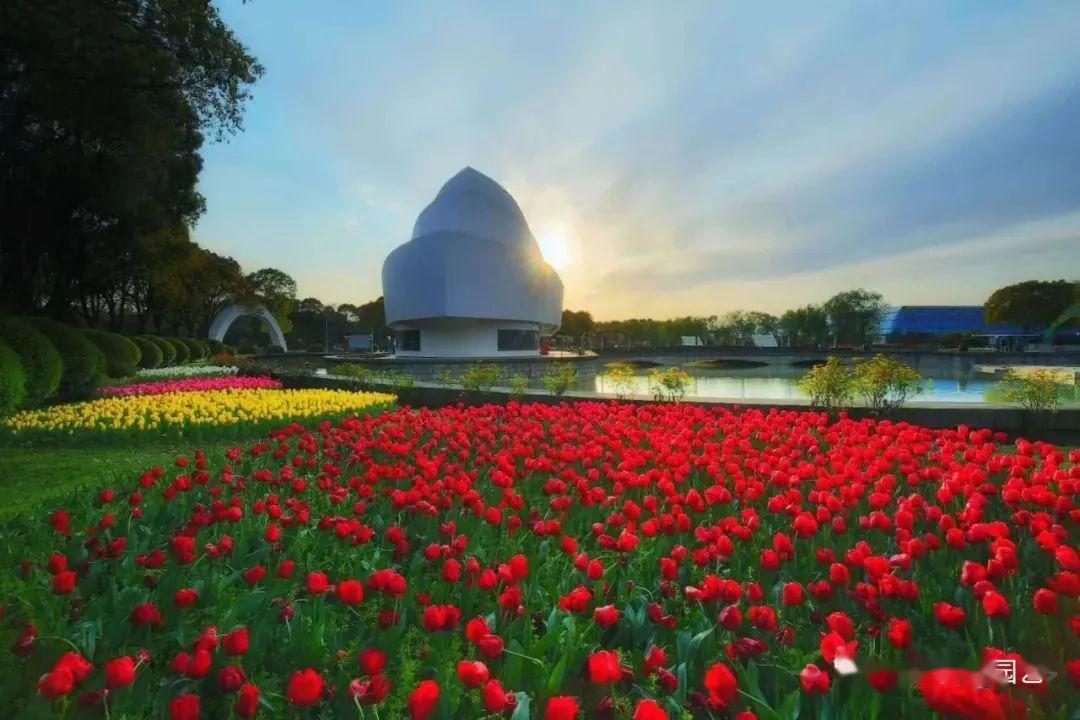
[{"x": 701, "y": 159}]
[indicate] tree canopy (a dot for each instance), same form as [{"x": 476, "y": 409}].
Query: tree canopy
[
  {"x": 103, "y": 110},
  {"x": 1032, "y": 303}
]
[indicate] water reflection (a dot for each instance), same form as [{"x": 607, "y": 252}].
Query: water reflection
[{"x": 780, "y": 383}]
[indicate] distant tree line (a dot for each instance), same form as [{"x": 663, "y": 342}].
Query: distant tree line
[{"x": 848, "y": 318}]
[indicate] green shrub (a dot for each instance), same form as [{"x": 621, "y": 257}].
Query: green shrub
[
  {"x": 197, "y": 350},
  {"x": 83, "y": 363},
  {"x": 217, "y": 347},
  {"x": 181, "y": 351},
  {"x": 275, "y": 350},
  {"x": 621, "y": 379},
  {"x": 1035, "y": 391},
  {"x": 12, "y": 380},
  {"x": 559, "y": 377},
  {"x": 122, "y": 356},
  {"x": 830, "y": 385},
  {"x": 518, "y": 385},
  {"x": 397, "y": 380},
  {"x": 151, "y": 353},
  {"x": 316, "y": 347},
  {"x": 361, "y": 374},
  {"x": 168, "y": 352},
  {"x": 885, "y": 382},
  {"x": 40, "y": 360},
  {"x": 247, "y": 350},
  {"x": 480, "y": 377},
  {"x": 668, "y": 384}
]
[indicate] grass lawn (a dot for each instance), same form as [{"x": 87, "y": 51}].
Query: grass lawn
[{"x": 32, "y": 479}]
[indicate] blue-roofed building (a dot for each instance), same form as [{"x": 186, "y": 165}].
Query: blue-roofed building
[{"x": 921, "y": 323}]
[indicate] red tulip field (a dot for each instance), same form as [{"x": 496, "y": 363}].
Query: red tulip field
[{"x": 586, "y": 560}]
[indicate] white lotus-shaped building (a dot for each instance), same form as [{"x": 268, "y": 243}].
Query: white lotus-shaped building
[{"x": 472, "y": 281}]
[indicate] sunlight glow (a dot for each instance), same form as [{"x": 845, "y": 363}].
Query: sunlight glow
[{"x": 555, "y": 246}]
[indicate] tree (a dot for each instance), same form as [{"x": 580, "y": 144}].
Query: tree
[
  {"x": 1032, "y": 303},
  {"x": 854, "y": 316},
  {"x": 807, "y": 326},
  {"x": 576, "y": 324},
  {"x": 103, "y": 106},
  {"x": 276, "y": 290}
]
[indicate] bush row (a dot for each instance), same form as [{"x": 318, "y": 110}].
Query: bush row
[{"x": 41, "y": 359}]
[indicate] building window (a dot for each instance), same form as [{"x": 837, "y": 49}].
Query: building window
[
  {"x": 408, "y": 340},
  {"x": 519, "y": 340}
]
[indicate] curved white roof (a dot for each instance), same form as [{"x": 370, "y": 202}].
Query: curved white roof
[{"x": 472, "y": 255}]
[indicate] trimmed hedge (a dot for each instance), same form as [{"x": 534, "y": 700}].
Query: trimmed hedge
[
  {"x": 181, "y": 351},
  {"x": 197, "y": 350},
  {"x": 40, "y": 360},
  {"x": 12, "y": 380},
  {"x": 151, "y": 353},
  {"x": 168, "y": 352},
  {"x": 82, "y": 360},
  {"x": 121, "y": 355}
]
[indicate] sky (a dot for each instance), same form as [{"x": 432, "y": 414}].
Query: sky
[{"x": 672, "y": 158}]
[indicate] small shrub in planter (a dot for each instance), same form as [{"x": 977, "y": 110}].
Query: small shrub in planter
[
  {"x": 559, "y": 377},
  {"x": 180, "y": 348},
  {"x": 621, "y": 379},
  {"x": 885, "y": 382},
  {"x": 830, "y": 385},
  {"x": 83, "y": 363},
  {"x": 151, "y": 353},
  {"x": 168, "y": 352},
  {"x": 480, "y": 377},
  {"x": 518, "y": 385},
  {"x": 121, "y": 355},
  {"x": 1038, "y": 391},
  {"x": 669, "y": 384},
  {"x": 12, "y": 380},
  {"x": 316, "y": 347},
  {"x": 40, "y": 360}
]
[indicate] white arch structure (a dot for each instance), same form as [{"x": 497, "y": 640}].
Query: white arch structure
[{"x": 229, "y": 315}]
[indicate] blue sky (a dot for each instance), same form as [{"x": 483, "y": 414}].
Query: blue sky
[{"x": 672, "y": 158}]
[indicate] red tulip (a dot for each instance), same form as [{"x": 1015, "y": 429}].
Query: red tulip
[
  {"x": 649, "y": 710},
  {"x": 424, "y": 700},
  {"x": 237, "y": 642},
  {"x": 604, "y": 667},
  {"x": 721, "y": 684},
  {"x": 185, "y": 707},
  {"x": 247, "y": 701},
  {"x": 305, "y": 688},
  {"x": 562, "y": 708},
  {"x": 120, "y": 672},
  {"x": 814, "y": 680}
]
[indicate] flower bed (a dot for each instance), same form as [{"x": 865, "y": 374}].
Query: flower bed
[
  {"x": 199, "y": 414},
  {"x": 585, "y": 560},
  {"x": 162, "y": 387},
  {"x": 180, "y": 372}
]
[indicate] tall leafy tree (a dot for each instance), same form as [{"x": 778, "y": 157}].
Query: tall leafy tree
[
  {"x": 1032, "y": 303},
  {"x": 103, "y": 108},
  {"x": 854, "y": 315},
  {"x": 277, "y": 291}
]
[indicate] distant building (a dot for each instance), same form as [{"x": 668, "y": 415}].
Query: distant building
[
  {"x": 472, "y": 281},
  {"x": 924, "y": 323}
]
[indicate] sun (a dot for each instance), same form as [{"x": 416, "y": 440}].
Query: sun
[{"x": 555, "y": 246}]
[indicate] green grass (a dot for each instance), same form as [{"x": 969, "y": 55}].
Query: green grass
[{"x": 33, "y": 479}]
